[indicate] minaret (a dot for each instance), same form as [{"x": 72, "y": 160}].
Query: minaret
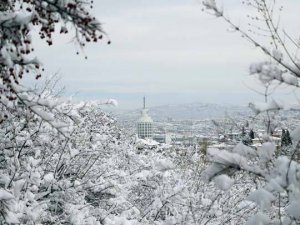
[{"x": 144, "y": 126}]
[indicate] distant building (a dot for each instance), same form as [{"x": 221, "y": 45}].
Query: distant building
[
  {"x": 144, "y": 126},
  {"x": 163, "y": 138}
]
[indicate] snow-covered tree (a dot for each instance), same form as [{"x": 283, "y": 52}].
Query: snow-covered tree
[
  {"x": 19, "y": 19},
  {"x": 277, "y": 197}
]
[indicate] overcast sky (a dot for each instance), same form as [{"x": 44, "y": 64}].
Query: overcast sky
[{"x": 170, "y": 51}]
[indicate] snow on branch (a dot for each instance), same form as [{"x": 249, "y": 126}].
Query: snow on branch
[
  {"x": 260, "y": 107},
  {"x": 222, "y": 161},
  {"x": 268, "y": 71}
]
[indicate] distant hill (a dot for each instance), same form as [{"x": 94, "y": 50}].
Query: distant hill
[{"x": 194, "y": 111}]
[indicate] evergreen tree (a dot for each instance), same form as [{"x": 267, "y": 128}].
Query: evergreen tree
[
  {"x": 247, "y": 138},
  {"x": 243, "y": 134},
  {"x": 251, "y": 134},
  {"x": 288, "y": 138},
  {"x": 286, "y": 141},
  {"x": 283, "y": 138}
]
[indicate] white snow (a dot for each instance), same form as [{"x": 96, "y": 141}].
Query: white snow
[
  {"x": 278, "y": 55},
  {"x": 262, "y": 198},
  {"x": 244, "y": 150},
  {"x": 290, "y": 79},
  {"x": 163, "y": 164},
  {"x": 223, "y": 182},
  {"x": 266, "y": 151},
  {"x": 259, "y": 107},
  {"x": 293, "y": 209},
  {"x": 295, "y": 134},
  {"x": 5, "y": 195},
  {"x": 259, "y": 219},
  {"x": 49, "y": 177}
]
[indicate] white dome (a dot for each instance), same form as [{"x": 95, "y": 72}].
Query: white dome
[{"x": 145, "y": 118}]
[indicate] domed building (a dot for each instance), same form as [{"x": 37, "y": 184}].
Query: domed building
[{"x": 144, "y": 125}]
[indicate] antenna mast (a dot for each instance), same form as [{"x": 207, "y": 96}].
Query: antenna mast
[{"x": 144, "y": 102}]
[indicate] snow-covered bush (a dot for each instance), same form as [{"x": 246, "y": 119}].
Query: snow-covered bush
[
  {"x": 49, "y": 171},
  {"x": 36, "y": 129}
]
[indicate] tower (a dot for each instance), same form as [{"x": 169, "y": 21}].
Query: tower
[{"x": 144, "y": 126}]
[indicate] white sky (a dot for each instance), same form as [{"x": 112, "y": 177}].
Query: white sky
[{"x": 170, "y": 51}]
